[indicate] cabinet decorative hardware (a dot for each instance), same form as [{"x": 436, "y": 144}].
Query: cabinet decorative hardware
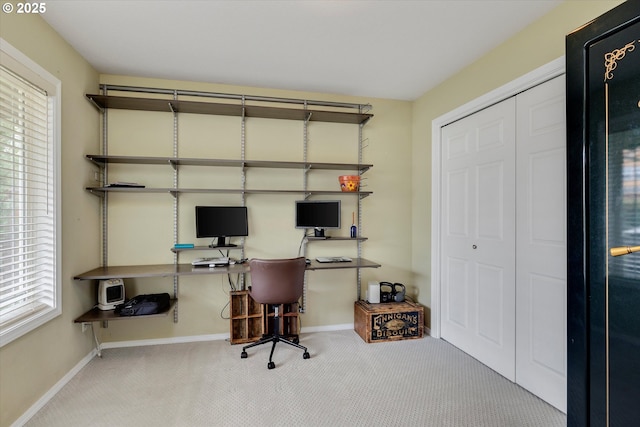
[{"x": 623, "y": 250}]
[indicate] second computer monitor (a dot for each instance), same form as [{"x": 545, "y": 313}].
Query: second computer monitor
[{"x": 318, "y": 214}]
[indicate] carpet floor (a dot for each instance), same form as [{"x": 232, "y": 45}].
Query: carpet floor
[{"x": 346, "y": 382}]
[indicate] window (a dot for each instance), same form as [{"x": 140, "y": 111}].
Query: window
[{"x": 29, "y": 195}]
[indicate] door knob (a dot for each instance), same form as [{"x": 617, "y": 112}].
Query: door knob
[{"x": 623, "y": 250}]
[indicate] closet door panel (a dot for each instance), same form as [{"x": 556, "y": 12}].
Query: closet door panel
[
  {"x": 458, "y": 204},
  {"x": 459, "y": 293},
  {"x": 547, "y": 198},
  {"x": 490, "y": 321},
  {"x": 541, "y": 242},
  {"x": 478, "y": 239},
  {"x": 490, "y": 201}
]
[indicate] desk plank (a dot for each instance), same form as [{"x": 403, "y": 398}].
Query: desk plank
[
  {"x": 157, "y": 270},
  {"x": 170, "y": 270},
  {"x": 355, "y": 263},
  {"x": 97, "y": 315}
]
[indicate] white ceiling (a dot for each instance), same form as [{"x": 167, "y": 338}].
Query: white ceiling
[{"x": 384, "y": 49}]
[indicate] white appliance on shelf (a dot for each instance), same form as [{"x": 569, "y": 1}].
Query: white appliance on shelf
[{"x": 110, "y": 293}]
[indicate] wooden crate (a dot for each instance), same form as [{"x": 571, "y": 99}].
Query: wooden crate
[
  {"x": 289, "y": 322},
  {"x": 388, "y": 321},
  {"x": 246, "y": 318},
  {"x": 250, "y": 320}
]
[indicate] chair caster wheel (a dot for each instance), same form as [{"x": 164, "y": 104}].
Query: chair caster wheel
[
  {"x": 271, "y": 365},
  {"x": 296, "y": 340},
  {"x": 243, "y": 355},
  {"x": 306, "y": 355}
]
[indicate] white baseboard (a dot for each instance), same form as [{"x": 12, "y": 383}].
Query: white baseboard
[
  {"x": 161, "y": 341},
  {"x": 326, "y": 328},
  {"x": 24, "y": 418},
  {"x": 213, "y": 337}
]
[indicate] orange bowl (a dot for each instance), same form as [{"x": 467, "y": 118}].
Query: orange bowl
[{"x": 349, "y": 182}]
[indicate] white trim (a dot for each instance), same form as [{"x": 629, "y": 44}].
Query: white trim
[
  {"x": 538, "y": 76},
  {"x": 214, "y": 337},
  {"x": 37, "y": 72},
  {"x": 327, "y": 328},
  {"x": 24, "y": 418},
  {"x": 40, "y": 76},
  {"x": 162, "y": 341}
]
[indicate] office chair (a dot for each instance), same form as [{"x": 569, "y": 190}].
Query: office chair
[{"x": 275, "y": 282}]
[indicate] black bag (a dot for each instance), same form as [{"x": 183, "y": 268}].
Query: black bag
[{"x": 144, "y": 304}]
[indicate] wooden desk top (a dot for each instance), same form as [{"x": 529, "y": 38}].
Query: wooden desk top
[{"x": 169, "y": 270}]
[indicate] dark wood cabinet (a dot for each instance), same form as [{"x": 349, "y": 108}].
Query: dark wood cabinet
[{"x": 603, "y": 194}]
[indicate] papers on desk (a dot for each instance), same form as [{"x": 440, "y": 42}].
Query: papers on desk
[
  {"x": 333, "y": 259},
  {"x": 210, "y": 262},
  {"x": 121, "y": 184}
]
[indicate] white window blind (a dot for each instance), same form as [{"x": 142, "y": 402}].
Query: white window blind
[{"x": 28, "y": 288}]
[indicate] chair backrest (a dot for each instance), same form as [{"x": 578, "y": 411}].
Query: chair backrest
[{"x": 277, "y": 281}]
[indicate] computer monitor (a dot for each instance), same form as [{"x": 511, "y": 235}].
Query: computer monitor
[
  {"x": 220, "y": 222},
  {"x": 318, "y": 214}
]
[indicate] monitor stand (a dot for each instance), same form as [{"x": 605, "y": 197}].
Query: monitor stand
[
  {"x": 318, "y": 232},
  {"x": 221, "y": 242}
]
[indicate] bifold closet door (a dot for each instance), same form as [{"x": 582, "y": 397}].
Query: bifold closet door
[
  {"x": 541, "y": 272},
  {"x": 503, "y": 235},
  {"x": 478, "y": 236}
]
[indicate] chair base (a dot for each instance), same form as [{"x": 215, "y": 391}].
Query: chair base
[{"x": 274, "y": 339}]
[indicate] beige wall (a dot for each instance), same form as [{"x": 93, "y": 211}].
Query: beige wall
[
  {"x": 140, "y": 229},
  {"x": 537, "y": 45},
  {"x": 396, "y": 216},
  {"x": 32, "y": 364}
]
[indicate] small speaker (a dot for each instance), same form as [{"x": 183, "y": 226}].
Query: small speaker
[{"x": 110, "y": 293}]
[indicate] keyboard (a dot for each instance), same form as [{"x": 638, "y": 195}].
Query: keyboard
[
  {"x": 210, "y": 262},
  {"x": 333, "y": 259}
]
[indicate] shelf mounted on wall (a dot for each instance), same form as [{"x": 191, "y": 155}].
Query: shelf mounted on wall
[{"x": 243, "y": 106}]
